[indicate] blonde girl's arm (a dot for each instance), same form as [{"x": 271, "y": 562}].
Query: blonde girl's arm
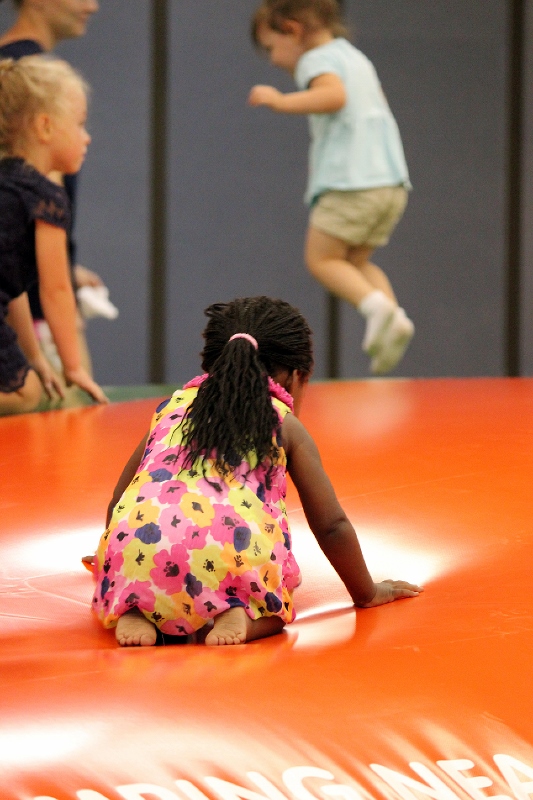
[
  {"x": 326, "y": 95},
  {"x": 59, "y": 305},
  {"x": 332, "y": 528},
  {"x": 128, "y": 473},
  {"x": 19, "y": 318}
]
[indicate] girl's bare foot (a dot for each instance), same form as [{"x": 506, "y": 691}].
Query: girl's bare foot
[
  {"x": 230, "y": 627},
  {"x": 134, "y": 630},
  {"x": 234, "y": 626}
]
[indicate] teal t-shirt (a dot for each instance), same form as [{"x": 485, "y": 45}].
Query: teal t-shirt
[{"x": 358, "y": 147}]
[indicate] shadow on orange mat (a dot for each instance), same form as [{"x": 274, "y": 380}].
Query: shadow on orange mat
[{"x": 428, "y": 697}]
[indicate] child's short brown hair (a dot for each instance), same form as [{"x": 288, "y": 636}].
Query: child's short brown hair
[{"x": 312, "y": 14}]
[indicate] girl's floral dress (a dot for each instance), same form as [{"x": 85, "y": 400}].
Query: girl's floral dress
[{"x": 183, "y": 547}]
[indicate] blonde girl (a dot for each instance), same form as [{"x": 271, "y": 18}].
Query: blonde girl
[
  {"x": 38, "y": 27},
  {"x": 43, "y": 109}
]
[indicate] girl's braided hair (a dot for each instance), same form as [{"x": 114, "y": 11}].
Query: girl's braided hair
[{"x": 232, "y": 414}]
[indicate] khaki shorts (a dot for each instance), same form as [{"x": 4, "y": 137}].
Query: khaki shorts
[{"x": 362, "y": 217}]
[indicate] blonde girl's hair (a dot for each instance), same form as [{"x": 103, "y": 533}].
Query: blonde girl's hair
[
  {"x": 312, "y": 14},
  {"x": 27, "y": 87}
]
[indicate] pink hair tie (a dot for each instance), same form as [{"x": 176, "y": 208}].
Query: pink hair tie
[{"x": 244, "y": 336}]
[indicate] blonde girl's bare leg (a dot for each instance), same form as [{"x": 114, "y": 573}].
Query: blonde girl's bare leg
[
  {"x": 25, "y": 399},
  {"x": 134, "y": 630},
  {"x": 234, "y": 626}
]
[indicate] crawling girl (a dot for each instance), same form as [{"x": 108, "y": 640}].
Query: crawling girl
[{"x": 197, "y": 532}]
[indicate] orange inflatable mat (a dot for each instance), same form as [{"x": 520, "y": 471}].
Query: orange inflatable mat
[{"x": 429, "y": 697}]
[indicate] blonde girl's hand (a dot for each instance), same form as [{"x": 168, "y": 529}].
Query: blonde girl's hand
[
  {"x": 388, "y": 591},
  {"x": 80, "y": 377},
  {"x": 265, "y": 96},
  {"x": 47, "y": 376}
]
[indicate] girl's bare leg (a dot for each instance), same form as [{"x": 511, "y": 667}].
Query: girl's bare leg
[
  {"x": 25, "y": 399},
  {"x": 328, "y": 261},
  {"x": 360, "y": 257},
  {"x": 234, "y": 626},
  {"x": 332, "y": 262},
  {"x": 134, "y": 630},
  {"x": 348, "y": 273}
]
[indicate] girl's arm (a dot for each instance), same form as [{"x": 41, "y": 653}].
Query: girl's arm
[
  {"x": 326, "y": 95},
  {"x": 332, "y": 528},
  {"x": 128, "y": 473},
  {"x": 19, "y": 318},
  {"x": 59, "y": 305}
]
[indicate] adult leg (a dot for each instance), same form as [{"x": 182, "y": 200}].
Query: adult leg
[{"x": 234, "y": 626}]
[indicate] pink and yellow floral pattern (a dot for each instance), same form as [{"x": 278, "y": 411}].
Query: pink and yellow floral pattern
[{"x": 183, "y": 546}]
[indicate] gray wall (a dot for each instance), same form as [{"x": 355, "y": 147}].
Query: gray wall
[
  {"x": 112, "y": 228},
  {"x": 236, "y": 176}
]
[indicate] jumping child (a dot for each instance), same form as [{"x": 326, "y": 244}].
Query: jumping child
[
  {"x": 43, "y": 109},
  {"x": 358, "y": 179},
  {"x": 197, "y": 529}
]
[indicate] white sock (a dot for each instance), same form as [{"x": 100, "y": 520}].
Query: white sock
[
  {"x": 394, "y": 343},
  {"x": 378, "y": 310}
]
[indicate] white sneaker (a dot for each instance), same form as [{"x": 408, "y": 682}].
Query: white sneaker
[
  {"x": 94, "y": 302},
  {"x": 394, "y": 342},
  {"x": 379, "y": 311}
]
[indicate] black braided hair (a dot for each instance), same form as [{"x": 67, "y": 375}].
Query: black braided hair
[{"x": 232, "y": 414}]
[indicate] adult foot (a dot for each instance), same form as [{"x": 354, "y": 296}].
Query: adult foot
[
  {"x": 230, "y": 627},
  {"x": 134, "y": 630}
]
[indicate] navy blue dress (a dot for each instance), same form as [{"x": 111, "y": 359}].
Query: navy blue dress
[
  {"x": 16, "y": 50},
  {"x": 25, "y": 195},
  {"x": 22, "y": 47}
]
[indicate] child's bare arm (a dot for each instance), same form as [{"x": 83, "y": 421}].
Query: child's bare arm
[
  {"x": 20, "y": 319},
  {"x": 333, "y": 530},
  {"x": 326, "y": 95},
  {"x": 59, "y": 305},
  {"x": 128, "y": 473}
]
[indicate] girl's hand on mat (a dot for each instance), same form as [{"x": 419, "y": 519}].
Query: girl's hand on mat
[
  {"x": 81, "y": 378},
  {"x": 388, "y": 591},
  {"x": 265, "y": 96},
  {"x": 47, "y": 376}
]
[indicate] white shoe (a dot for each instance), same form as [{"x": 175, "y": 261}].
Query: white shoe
[
  {"x": 379, "y": 311},
  {"x": 94, "y": 302},
  {"x": 394, "y": 342}
]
